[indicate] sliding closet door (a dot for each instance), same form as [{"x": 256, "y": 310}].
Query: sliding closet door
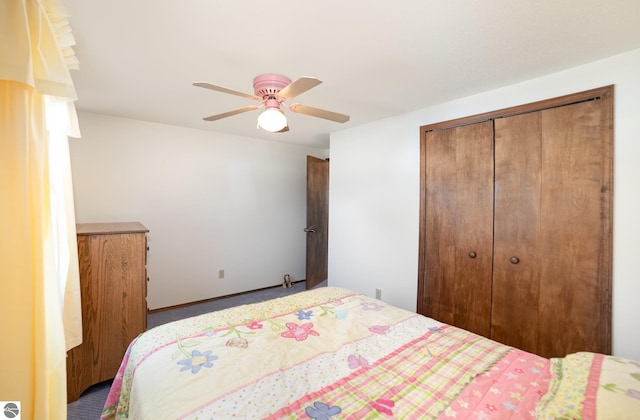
[
  {"x": 459, "y": 227},
  {"x": 552, "y": 230}
]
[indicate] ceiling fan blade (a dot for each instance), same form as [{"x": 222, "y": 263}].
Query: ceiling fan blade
[
  {"x": 301, "y": 85},
  {"x": 230, "y": 113},
  {"x": 320, "y": 113},
  {"x": 225, "y": 90}
]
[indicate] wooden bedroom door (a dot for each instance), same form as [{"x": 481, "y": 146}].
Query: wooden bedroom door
[
  {"x": 459, "y": 229},
  {"x": 551, "y": 230},
  {"x": 317, "y": 221}
]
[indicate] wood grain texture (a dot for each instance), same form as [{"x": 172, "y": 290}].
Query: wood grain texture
[
  {"x": 111, "y": 228},
  {"x": 552, "y": 247},
  {"x": 114, "y": 310},
  {"x": 518, "y": 150},
  {"x": 573, "y": 219},
  {"x": 437, "y": 299},
  {"x": 458, "y": 240},
  {"x": 318, "y": 219}
]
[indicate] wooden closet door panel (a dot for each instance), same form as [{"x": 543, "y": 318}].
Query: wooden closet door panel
[
  {"x": 474, "y": 226},
  {"x": 441, "y": 203},
  {"x": 518, "y": 154},
  {"x": 459, "y": 211},
  {"x": 574, "y": 309}
]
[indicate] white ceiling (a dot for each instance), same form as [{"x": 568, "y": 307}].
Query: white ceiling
[{"x": 376, "y": 58}]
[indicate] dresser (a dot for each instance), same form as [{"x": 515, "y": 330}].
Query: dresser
[{"x": 113, "y": 287}]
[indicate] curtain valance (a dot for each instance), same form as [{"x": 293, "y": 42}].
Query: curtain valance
[{"x": 36, "y": 46}]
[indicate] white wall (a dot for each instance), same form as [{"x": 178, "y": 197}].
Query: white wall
[
  {"x": 211, "y": 202},
  {"x": 374, "y": 190}
]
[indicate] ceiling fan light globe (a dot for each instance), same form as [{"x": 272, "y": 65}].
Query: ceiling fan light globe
[{"x": 272, "y": 119}]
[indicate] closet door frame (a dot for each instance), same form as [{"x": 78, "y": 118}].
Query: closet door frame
[{"x": 604, "y": 94}]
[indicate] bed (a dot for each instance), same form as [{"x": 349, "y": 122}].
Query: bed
[{"x": 332, "y": 353}]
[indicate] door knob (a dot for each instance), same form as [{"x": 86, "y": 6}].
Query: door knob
[
  {"x": 514, "y": 260},
  {"x": 309, "y": 230}
]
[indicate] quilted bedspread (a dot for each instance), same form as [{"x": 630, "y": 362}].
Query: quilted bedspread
[{"x": 329, "y": 353}]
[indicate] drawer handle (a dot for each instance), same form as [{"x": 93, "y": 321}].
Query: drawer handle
[
  {"x": 472, "y": 254},
  {"x": 514, "y": 260}
]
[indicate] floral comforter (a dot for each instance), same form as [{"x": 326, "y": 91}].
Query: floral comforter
[{"x": 331, "y": 353}]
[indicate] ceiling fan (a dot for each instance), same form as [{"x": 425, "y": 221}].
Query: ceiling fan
[{"x": 272, "y": 91}]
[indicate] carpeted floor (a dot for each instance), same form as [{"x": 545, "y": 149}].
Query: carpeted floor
[{"x": 89, "y": 405}]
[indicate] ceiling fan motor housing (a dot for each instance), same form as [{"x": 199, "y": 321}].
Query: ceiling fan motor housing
[{"x": 268, "y": 85}]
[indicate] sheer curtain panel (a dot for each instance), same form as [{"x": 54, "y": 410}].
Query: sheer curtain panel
[{"x": 40, "y": 295}]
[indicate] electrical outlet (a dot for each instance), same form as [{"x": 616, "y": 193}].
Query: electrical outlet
[
  {"x": 379, "y": 294},
  {"x": 220, "y": 274}
]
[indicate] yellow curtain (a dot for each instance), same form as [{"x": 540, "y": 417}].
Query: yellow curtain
[{"x": 39, "y": 294}]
